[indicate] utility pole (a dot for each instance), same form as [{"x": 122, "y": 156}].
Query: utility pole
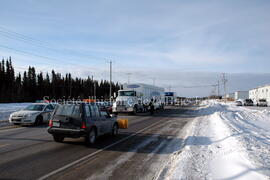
[
  {"x": 128, "y": 74},
  {"x": 94, "y": 88},
  {"x": 224, "y": 81},
  {"x": 110, "y": 80},
  {"x": 218, "y": 88},
  {"x": 70, "y": 88},
  {"x": 154, "y": 81}
]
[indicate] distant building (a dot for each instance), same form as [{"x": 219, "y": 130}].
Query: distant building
[
  {"x": 253, "y": 94},
  {"x": 262, "y": 92},
  {"x": 230, "y": 96},
  {"x": 241, "y": 95}
]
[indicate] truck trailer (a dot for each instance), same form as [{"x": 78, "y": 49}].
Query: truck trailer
[
  {"x": 170, "y": 98},
  {"x": 135, "y": 98},
  {"x": 241, "y": 95}
]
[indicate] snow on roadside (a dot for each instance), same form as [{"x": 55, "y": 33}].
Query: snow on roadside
[
  {"x": 225, "y": 142},
  {"x": 7, "y": 108}
]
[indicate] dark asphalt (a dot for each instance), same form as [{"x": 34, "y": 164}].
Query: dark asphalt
[{"x": 31, "y": 153}]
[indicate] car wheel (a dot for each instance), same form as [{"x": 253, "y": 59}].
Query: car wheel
[
  {"x": 58, "y": 138},
  {"x": 115, "y": 130},
  {"x": 39, "y": 120},
  {"x": 91, "y": 137}
]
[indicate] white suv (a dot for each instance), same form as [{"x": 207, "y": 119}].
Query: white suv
[{"x": 36, "y": 113}]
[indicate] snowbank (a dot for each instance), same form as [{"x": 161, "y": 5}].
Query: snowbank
[
  {"x": 7, "y": 108},
  {"x": 225, "y": 142}
]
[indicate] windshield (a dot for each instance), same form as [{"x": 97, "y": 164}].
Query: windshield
[
  {"x": 35, "y": 107},
  {"x": 262, "y": 100},
  {"x": 68, "y": 110},
  {"x": 127, "y": 93}
]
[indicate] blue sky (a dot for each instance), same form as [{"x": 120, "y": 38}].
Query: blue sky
[{"x": 177, "y": 42}]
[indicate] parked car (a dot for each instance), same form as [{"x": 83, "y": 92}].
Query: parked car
[
  {"x": 36, "y": 113},
  {"x": 239, "y": 103},
  {"x": 248, "y": 102},
  {"x": 262, "y": 102},
  {"x": 82, "y": 120}
]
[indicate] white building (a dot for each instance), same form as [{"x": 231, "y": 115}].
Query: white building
[
  {"x": 230, "y": 96},
  {"x": 241, "y": 95},
  {"x": 262, "y": 92}
]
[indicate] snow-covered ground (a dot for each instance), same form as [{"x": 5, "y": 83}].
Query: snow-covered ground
[
  {"x": 7, "y": 108},
  {"x": 225, "y": 142}
]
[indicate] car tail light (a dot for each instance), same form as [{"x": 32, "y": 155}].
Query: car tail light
[
  {"x": 50, "y": 123},
  {"x": 83, "y": 125}
]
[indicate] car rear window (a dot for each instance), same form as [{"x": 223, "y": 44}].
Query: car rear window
[
  {"x": 87, "y": 111},
  {"x": 95, "y": 110},
  {"x": 103, "y": 111},
  {"x": 68, "y": 110}
]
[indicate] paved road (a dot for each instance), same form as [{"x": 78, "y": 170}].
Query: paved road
[{"x": 139, "y": 152}]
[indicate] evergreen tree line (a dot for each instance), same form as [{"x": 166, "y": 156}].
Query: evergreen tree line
[{"x": 31, "y": 86}]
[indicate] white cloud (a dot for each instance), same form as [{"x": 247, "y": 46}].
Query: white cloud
[{"x": 170, "y": 41}]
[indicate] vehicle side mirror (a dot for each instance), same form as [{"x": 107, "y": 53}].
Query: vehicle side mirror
[{"x": 113, "y": 115}]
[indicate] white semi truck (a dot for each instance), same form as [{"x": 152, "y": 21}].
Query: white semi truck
[
  {"x": 135, "y": 98},
  {"x": 170, "y": 98}
]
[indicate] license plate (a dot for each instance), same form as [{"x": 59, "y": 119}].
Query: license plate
[
  {"x": 121, "y": 108},
  {"x": 56, "y": 124}
]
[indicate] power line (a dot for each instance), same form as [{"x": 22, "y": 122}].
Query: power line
[
  {"x": 45, "y": 46},
  {"x": 8, "y": 31},
  {"x": 197, "y": 86},
  {"x": 36, "y": 42},
  {"x": 27, "y": 41},
  {"x": 32, "y": 54}
]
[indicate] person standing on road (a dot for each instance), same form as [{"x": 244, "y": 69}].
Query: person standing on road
[{"x": 151, "y": 105}]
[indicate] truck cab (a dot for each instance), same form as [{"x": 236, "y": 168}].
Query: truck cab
[
  {"x": 135, "y": 98},
  {"x": 126, "y": 101}
]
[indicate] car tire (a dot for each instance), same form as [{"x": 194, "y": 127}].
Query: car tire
[
  {"x": 58, "y": 138},
  {"x": 115, "y": 130},
  {"x": 38, "y": 121},
  {"x": 91, "y": 137}
]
